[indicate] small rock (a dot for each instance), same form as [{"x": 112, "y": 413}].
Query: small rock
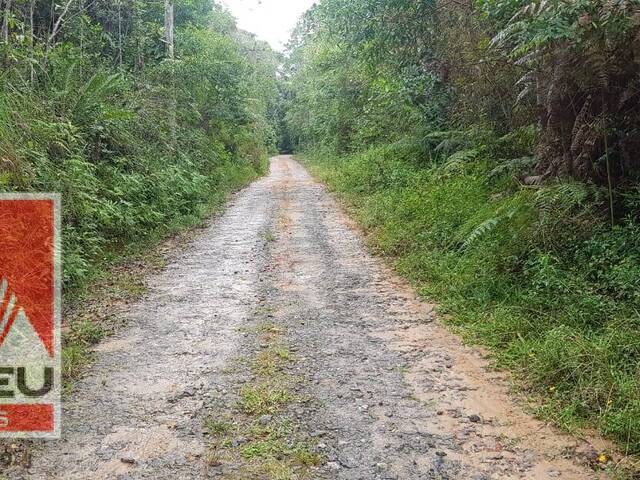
[
  {"x": 264, "y": 419},
  {"x": 553, "y": 473},
  {"x": 474, "y": 418},
  {"x": 333, "y": 466},
  {"x": 347, "y": 462},
  {"x": 236, "y": 442}
]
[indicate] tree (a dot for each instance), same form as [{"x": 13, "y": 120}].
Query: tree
[{"x": 169, "y": 28}]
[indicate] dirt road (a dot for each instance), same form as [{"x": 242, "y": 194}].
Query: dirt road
[{"x": 275, "y": 346}]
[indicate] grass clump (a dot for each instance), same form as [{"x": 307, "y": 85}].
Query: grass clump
[
  {"x": 76, "y": 354},
  {"x": 271, "y": 361},
  {"x": 263, "y": 399},
  {"x": 86, "y": 332},
  {"x": 215, "y": 426},
  {"x": 268, "y": 235},
  {"x": 276, "y": 452},
  {"x": 283, "y": 353},
  {"x": 74, "y": 358}
]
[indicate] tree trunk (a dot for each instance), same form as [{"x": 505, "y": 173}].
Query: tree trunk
[
  {"x": 169, "y": 28},
  {"x": 139, "y": 36},
  {"x": 32, "y": 35},
  {"x": 170, "y": 43},
  {"x": 5, "y": 21},
  {"x": 120, "y": 33}
]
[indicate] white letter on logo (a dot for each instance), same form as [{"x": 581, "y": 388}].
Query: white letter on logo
[{"x": 4, "y": 419}]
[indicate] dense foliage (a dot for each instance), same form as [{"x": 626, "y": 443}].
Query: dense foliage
[
  {"x": 491, "y": 150},
  {"x": 137, "y": 139},
  {"x": 373, "y": 70}
]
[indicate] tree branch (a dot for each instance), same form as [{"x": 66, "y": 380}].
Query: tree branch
[{"x": 58, "y": 24}]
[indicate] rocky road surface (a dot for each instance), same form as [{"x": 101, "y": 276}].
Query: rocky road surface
[{"x": 275, "y": 346}]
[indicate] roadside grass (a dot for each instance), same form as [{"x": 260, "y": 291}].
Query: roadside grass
[{"x": 535, "y": 274}]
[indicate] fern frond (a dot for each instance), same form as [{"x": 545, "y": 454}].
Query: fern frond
[
  {"x": 480, "y": 231},
  {"x": 445, "y": 141},
  {"x": 459, "y": 158},
  {"x": 562, "y": 196},
  {"x": 515, "y": 165}
]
